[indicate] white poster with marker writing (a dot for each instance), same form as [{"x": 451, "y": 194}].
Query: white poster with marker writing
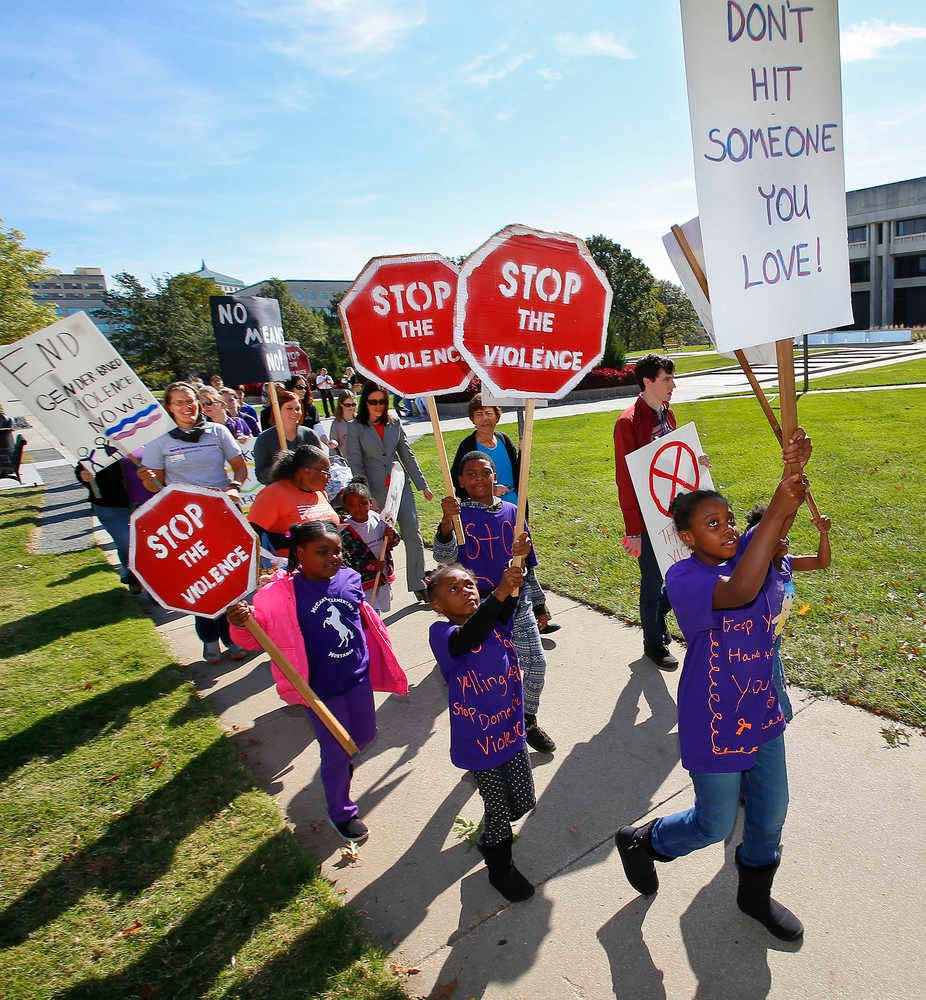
[
  {"x": 765, "y": 99},
  {"x": 660, "y": 471},
  {"x": 73, "y": 382}
]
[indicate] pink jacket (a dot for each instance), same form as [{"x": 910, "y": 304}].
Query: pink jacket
[{"x": 275, "y": 612}]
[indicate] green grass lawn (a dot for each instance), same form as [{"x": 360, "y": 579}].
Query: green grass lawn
[
  {"x": 861, "y": 635},
  {"x": 138, "y": 858},
  {"x": 902, "y": 373}
]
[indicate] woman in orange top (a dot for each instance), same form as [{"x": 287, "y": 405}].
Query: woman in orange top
[{"x": 296, "y": 494}]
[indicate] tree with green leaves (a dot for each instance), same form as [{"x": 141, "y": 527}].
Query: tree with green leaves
[
  {"x": 313, "y": 329},
  {"x": 680, "y": 324},
  {"x": 636, "y": 311},
  {"x": 165, "y": 333},
  {"x": 20, "y": 266}
]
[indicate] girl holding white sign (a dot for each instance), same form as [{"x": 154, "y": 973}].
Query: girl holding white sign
[{"x": 726, "y": 596}]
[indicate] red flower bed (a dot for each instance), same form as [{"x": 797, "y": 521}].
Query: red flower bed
[{"x": 606, "y": 378}]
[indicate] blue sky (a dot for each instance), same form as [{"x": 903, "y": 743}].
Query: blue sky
[{"x": 298, "y": 138}]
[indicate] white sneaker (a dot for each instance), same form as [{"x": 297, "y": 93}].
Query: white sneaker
[{"x": 211, "y": 652}]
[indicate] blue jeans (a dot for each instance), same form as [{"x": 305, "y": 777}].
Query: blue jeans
[
  {"x": 652, "y": 608},
  {"x": 212, "y": 629},
  {"x": 765, "y": 790},
  {"x": 781, "y": 683},
  {"x": 115, "y": 521}
]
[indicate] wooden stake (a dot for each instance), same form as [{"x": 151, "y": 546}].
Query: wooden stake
[
  {"x": 277, "y": 419},
  {"x": 787, "y": 395},
  {"x": 444, "y": 463},
  {"x": 305, "y": 692},
  {"x": 382, "y": 555},
  {"x": 527, "y": 441}
]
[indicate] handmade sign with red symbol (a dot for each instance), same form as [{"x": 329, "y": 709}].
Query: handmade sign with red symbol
[
  {"x": 398, "y": 322},
  {"x": 532, "y": 312},
  {"x": 193, "y": 551},
  {"x": 660, "y": 471},
  {"x": 299, "y": 363}
]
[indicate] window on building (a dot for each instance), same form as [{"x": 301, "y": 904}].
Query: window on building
[
  {"x": 858, "y": 234},
  {"x": 312, "y": 296},
  {"x": 913, "y": 266},
  {"x": 861, "y": 302},
  {"x": 911, "y": 227},
  {"x": 859, "y": 270}
]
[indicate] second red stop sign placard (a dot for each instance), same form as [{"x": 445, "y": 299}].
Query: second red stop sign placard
[{"x": 532, "y": 312}]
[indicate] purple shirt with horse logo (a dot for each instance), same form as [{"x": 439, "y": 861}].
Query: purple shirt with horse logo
[{"x": 329, "y": 619}]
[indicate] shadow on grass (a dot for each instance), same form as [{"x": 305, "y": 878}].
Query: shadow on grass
[
  {"x": 224, "y": 922},
  {"x": 92, "y": 611},
  {"x": 137, "y": 849},
  {"x": 56, "y": 735},
  {"x": 81, "y": 574}
]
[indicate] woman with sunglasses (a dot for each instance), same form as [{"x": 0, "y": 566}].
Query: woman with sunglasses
[
  {"x": 375, "y": 440},
  {"x": 345, "y": 409},
  {"x": 215, "y": 410}
]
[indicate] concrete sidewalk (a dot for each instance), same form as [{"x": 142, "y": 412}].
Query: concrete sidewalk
[{"x": 852, "y": 867}]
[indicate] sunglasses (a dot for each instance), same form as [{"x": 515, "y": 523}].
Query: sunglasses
[
  {"x": 377, "y": 402},
  {"x": 348, "y": 404}
]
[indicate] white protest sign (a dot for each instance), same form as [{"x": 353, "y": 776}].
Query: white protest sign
[
  {"x": 660, "y": 471},
  {"x": 74, "y": 382},
  {"x": 765, "y": 100},
  {"x": 390, "y": 511},
  {"x": 252, "y": 485},
  {"x": 763, "y": 354}
]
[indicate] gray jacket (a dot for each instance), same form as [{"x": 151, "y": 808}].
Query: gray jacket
[{"x": 370, "y": 457}]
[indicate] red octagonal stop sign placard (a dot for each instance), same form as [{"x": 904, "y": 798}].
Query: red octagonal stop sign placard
[
  {"x": 532, "y": 312},
  {"x": 193, "y": 550},
  {"x": 398, "y": 321}
]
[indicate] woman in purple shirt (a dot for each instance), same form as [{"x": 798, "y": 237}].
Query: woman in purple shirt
[{"x": 730, "y": 721}]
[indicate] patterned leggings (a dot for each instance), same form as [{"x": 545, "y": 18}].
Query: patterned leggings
[
  {"x": 508, "y": 793},
  {"x": 531, "y": 658}
]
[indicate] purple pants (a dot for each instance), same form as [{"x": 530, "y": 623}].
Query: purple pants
[{"x": 355, "y": 711}]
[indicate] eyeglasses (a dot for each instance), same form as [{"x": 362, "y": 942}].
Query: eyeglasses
[
  {"x": 346, "y": 405},
  {"x": 377, "y": 402},
  {"x": 209, "y": 403}
]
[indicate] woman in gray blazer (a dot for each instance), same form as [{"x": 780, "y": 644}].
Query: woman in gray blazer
[{"x": 374, "y": 441}]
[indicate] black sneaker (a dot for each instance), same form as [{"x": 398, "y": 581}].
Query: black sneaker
[
  {"x": 550, "y": 627},
  {"x": 637, "y": 858},
  {"x": 661, "y": 657},
  {"x": 351, "y": 829},
  {"x": 537, "y": 739},
  {"x": 421, "y": 596}
]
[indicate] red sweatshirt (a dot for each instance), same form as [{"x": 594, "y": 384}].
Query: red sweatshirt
[{"x": 637, "y": 426}]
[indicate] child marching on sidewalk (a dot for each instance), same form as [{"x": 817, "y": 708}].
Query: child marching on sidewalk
[
  {"x": 787, "y": 565},
  {"x": 477, "y": 658},
  {"x": 362, "y": 534},
  {"x": 316, "y": 613},
  {"x": 488, "y": 524},
  {"x": 726, "y": 596}
]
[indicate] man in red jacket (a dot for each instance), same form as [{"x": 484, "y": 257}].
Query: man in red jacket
[{"x": 649, "y": 418}]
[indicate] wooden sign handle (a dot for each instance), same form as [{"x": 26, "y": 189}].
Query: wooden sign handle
[
  {"x": 527, "y": 441},
  {"x": 305, "y": 692},
  {"x": 444, "y": 463},
  {"x": 379, "y": 573},
  {"x": 277, "y": 419}
]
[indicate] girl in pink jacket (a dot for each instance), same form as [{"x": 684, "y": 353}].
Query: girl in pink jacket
[{"x": 316, "y": 614}]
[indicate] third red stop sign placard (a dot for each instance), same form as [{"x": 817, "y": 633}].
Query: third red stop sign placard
[{"x": 531, "y": 314}]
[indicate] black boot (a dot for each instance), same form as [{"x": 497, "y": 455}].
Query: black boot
[
  {"x": 754, "y": 898},
  {"x": 635, "y": 846},
  {"x": 537, "y": 738},
  {"x": 502, "y": 873}
]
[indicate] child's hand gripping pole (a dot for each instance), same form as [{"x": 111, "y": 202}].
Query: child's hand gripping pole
[
  {"x": 444, "y": 464},
  {"x": 388, "y": 534},
  {"x": 298, "y": 682},
  {"x": 527, "y": 441}
]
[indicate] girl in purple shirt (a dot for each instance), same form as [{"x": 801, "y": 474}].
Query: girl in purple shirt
[
  {"x": 726, "y": 596},
  {"x": 477, "y": 658}
]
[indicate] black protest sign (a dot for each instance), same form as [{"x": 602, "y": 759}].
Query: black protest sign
[{"x": 249, "y": 335}]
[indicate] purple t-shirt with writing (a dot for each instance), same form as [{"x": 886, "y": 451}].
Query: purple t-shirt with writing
[
  {"x": 489, "y": 534},
  {"x": 727, "y": 702},
  {"x": 486, "y": 698},
  {"x": 329, "y": 619}
]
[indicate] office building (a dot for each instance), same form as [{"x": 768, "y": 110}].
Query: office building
[
  {"x": 228, "y": 284},
  {"x": 72, "y": 293},
  {"x": 311, "y": 293},
  {"x": 887, "y": 254}
]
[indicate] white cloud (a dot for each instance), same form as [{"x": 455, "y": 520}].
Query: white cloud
[
  {"x": 494, "y": 65},
  {"x": 550, "y": 75},
  {"x": 335, "y": 36},
  {"x": 594, "y": 43},
  {"x": 504, "y": 116},
  {"x": 871, "y": 39}
]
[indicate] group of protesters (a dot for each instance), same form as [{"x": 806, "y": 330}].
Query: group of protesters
[{"x": 319, "y": 512}]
